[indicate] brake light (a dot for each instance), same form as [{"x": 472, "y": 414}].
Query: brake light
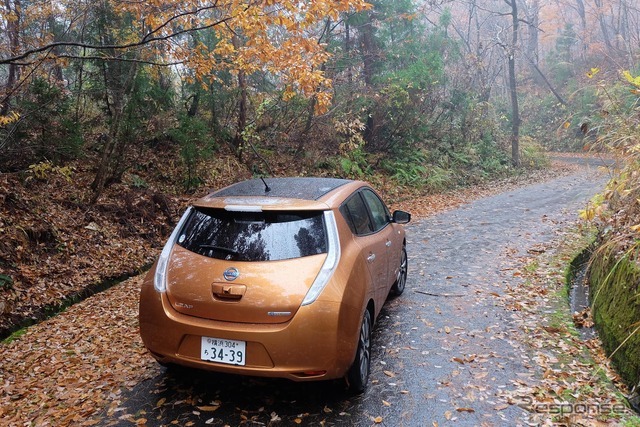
[
  {"x": 160, "y": 276},
  {"x": 330, "y": 263}
]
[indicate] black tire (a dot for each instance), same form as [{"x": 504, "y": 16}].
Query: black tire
[
  {"x": 358, "y": 376},
  {"x": 401, "y": 281}
]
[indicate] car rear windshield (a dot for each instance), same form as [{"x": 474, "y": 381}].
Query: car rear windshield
[{"x": 254, "y": 236}]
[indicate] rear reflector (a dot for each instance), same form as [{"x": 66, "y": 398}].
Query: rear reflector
[{"x": 308, "y": 374}]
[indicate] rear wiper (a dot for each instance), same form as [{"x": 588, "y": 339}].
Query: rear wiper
[{"x": 219, "y": 248}]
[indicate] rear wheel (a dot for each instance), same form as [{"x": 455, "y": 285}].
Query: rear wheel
[
  {"x": 358, "y": 375},
  {"x": 401, "y": 280}
]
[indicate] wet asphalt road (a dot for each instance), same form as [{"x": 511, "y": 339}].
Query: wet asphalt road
[{"x": 444, "y": 352}]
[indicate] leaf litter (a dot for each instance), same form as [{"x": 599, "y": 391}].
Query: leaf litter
[
  {"x": 68, "y": 369},
  {"x": 572, "y": 382}
]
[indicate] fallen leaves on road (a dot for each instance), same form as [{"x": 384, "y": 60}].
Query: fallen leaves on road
[{"x": 422, "y": 206}]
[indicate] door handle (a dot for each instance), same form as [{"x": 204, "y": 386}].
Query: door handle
[{"x": 371, "y": 258}]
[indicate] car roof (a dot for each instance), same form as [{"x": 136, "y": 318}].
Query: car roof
[
  {"x": 283, "y": 193},
  {"x": 290, "y": 188}
]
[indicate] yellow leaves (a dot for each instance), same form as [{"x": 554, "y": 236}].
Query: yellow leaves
[
  {"x": 224, "y": 48},
  {"x": 591, "y": 212},
  {"x": 9, "y": 118},
  {"x": 45, "y": 170},
  {"x": 633, "y": 80},
  {"x": 591, "y": 73}
]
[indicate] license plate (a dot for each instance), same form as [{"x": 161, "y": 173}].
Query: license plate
[{"x": 219, "y": 350}]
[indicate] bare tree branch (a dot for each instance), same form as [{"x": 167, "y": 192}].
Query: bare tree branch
[{"x": 142, "y": 42}]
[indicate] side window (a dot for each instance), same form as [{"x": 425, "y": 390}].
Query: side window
[
  {"x": 355, "y": 212},
  {"x": 379, "y": 212}
]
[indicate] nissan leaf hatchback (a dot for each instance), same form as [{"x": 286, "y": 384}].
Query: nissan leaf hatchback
[{"x": 281, "y": 277}]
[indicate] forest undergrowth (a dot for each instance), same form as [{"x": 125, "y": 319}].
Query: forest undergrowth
[{"x": 58, "y": 248}]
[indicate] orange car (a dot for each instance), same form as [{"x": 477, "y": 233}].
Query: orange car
[{"x": 276, "y": 278}]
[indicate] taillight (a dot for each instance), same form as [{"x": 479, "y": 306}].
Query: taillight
[
  {"x": 160, "y": 276},
  {"x": 330, "y": 263}
]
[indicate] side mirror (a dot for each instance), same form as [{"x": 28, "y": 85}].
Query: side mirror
[{"x": 401, "y": 217}]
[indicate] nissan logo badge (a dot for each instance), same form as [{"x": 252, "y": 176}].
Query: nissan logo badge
[{"x": 231, "y": 274}]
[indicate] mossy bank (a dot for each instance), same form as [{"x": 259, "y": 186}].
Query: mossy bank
[{"x": 614, "y": 280}]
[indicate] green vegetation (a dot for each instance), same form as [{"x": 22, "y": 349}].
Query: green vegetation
[
  {"x": 615, "y": 298},
  {"x": 614, "y": 270}
]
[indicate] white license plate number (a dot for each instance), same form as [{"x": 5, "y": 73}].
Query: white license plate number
[{"x": 219, "y": 350}]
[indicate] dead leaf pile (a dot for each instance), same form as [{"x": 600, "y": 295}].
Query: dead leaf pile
[
  {"x": 57, "y": 247},
  {"x": 70, "y": 367}
]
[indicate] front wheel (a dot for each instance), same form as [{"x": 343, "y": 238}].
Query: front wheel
[
  {"x": 401, "y": 281},
  {"x": 358, "y": 375}
]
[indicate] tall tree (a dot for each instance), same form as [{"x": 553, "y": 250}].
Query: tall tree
[
  {"x": 12, "y": 15},
  {"x": 513, "y": 83}
]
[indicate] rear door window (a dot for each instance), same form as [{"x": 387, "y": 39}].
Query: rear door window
[
  {"x": 379, "y": 212},
  {"x": 357, "y": 216},
  {"x": 254, "y": 236}
]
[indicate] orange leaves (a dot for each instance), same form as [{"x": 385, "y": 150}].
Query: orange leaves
[
  {"x": 62, "y": 371},
  {"x": 282, "y": 40}
]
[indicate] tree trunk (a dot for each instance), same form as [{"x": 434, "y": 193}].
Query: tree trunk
[
  {"x": 582, "y": 13},
  {"x": 309, "y": 121},
  {"x": 513, "y": 86},
  {"x": 347, "y": 51},
  {"x": 57, "y": 66},
  {"x": 532, "y": 11},
  {"x": 548, "y": 83},
  {"x": 369, "y": 53},
  {"x": 13, "y": 34},
  {"x": 115, "y": 145},
  {"x": 238, "y": 139},
  {"x": 195, "y": 104},
  {"x": 603, "y": 25}
]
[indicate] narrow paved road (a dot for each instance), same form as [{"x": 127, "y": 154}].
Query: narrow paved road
[{"x": 444, "y": 351}]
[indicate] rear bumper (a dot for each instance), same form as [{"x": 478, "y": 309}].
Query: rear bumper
[{"x": 319, "y": 342}]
